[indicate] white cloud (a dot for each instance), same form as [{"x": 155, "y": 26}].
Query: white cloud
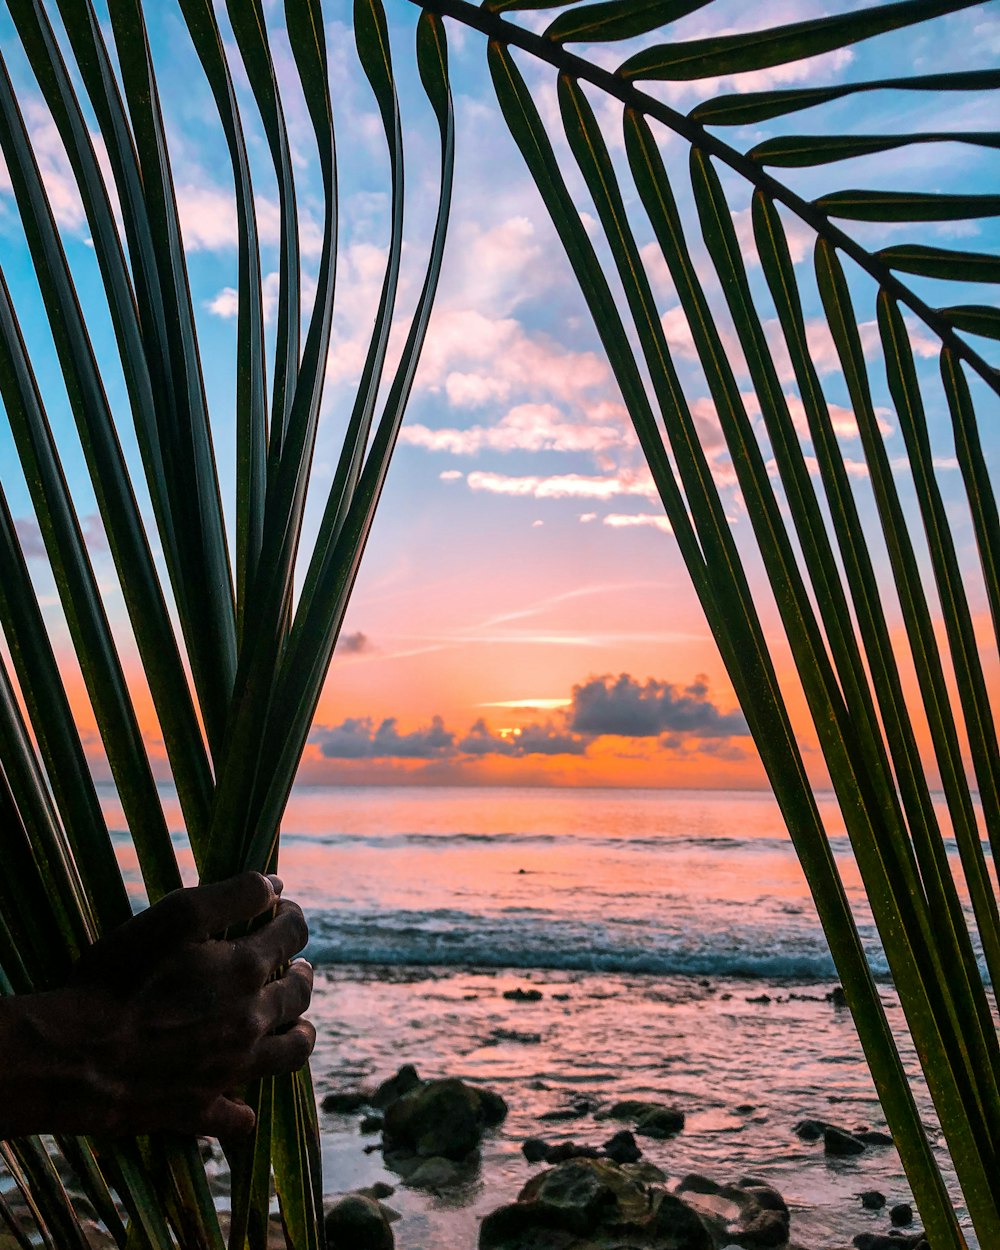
[
  {"x": 619, "y": 520},
  {"x": 527, "y": 427},
  {"x": 565, "y": 485}
]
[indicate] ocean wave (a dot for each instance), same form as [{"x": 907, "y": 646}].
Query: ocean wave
[
  {"x": 663, "y": 842},
  {"x": 450, "y": 938}
]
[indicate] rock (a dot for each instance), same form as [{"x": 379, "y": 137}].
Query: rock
[
  {"x": 651, "y": 1119},
  {"x": 574, "y": 1195},
  {"x": 593, "y": 1204},
  {"x": 512, "y": 1035},
  {"x": 874, "y": 1137},
  {"x": 378, "y": 1190},
  {"x": 872, "y": 1200},
  {"x": 406, "y": 1079},
  {"x": 750, "y": 1214},
  {"x": 435, "y": 1173},
  {"x": 493, "y": 1107},
  {"x": 621, "y": 1148},
  {"x": 570, "y": 1150},
  {"x": 901, "y": 1214},
  {"x": 346, "y": 1101},
  {"x": 372, "y": 1124},
  {"x": 660, "y": 1122},
  {"x": 890, "y": 1241},
  {"x": 838, "y": 1142},
  {"x": 445, "y": 1118},
  {"x": 695, "y": 1183},
  {"x": 810, "y": 1130},
  {"x": 760, "y": 998},
  {"x": 520, "y": 995},
  {"x": 535, "y": 1149},
  {"x": 358, "y": 1223},
  {"x": 561, "y": 1113}
]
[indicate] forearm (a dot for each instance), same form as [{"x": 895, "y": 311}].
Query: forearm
[{"x": 48, "y": 1082}]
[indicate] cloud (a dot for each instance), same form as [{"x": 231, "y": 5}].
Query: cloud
[
  {"x": 530, "y": 740},
  {"x": 681, "y": 719},
  {"x": 357, "y": 738},
  {"x": 527, "y": 427},
  {"x": 477, "y": 359},
  {"x": 565, "y": 485},
  {"x": 619, "y": 520},
  {"x": 354, "y": 644},
  {"x": 33, "y": 545},
  {"x": 622, "y": 706}
]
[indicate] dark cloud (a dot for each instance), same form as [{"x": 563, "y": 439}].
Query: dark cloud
[
  {"x": 33, "y": 546},
  {"x": 532, "y": 740},
  {"x": 29, "y": 536},
  {"x": 358, "y": 739},
  {"x": 353, "y": 644},
  {"x": 682, "y": 718},
  {"x": 624, "y": 707}
]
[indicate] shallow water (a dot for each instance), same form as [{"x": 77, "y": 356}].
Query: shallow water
[
  {"x": 659, "y": 915},
  {"x": 744, "y": 1073}
]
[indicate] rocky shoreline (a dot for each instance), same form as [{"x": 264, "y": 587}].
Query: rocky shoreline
[{"x": 588, "y": 1196}]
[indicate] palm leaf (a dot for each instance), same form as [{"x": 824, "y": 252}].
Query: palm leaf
[
  {"x": 834, "y": 605},
  {"x": 218, "y": 725}
]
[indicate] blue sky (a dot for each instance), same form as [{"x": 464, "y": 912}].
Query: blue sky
[{"x": 520, "y": 551}]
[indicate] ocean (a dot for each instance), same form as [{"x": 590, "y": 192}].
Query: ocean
[{"x": 678, "y": 956}]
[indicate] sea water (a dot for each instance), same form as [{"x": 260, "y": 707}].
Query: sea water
[{"x": 678, "y": 954}]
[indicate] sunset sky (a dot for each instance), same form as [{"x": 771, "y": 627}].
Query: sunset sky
[{"x": 522, "y": 614}]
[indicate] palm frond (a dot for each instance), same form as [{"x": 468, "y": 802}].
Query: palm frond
[
  {"x": 837, "y": 598},
  {"x": 247, "y": 667}
]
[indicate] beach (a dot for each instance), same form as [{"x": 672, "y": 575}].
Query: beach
[{"x": 570, "y": 949}]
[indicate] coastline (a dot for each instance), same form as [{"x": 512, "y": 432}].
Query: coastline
[{"x": 745, "y": 1060}]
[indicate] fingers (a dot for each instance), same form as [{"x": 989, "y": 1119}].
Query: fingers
[
  {"x": 274, "y": 944},
  {"x": 284, "y": 1000},
  {"x": 227, "y": 1117},
  {"x": 283, "y": 1052},
  {"x": 209, "y": 909}
]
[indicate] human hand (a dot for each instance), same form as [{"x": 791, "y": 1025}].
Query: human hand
[{"x": 162, "y": 1020}]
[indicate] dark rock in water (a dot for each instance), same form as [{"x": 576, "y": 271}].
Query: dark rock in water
[
  {"x": 810, "y": 1130},
  {"x": 622, "y": 1148},
  {"x": 444, "y": 1118},
  {"x": 512, "y": 1035},
  {"x": 377, "y": 1190},
  {"x": 520, "y": 995},
  {"x": 535, "y": 1149},
  {"x": 901, "y": 1214},
  {"x": 358, "y": 1223},
  {"x": 570, "y": 1150},
  {"x": 660, "y": 1122},
  {"x": 872, "y": 1200},
  {"x": 593, "y": 1204},
  {"x": 838, "y": 1142},
  {"x": 750, "y": 1214},
  {"x": 346, "y": 1101},
  {"x": 651, "y": 1119},
  {"x": 493, "y": 1107},
  {"x": 760, "y": 998},
  {"x": 837, "y": 996},
  {"x": 764, "y": 1195},
  {"x": 372, "y": 1124},
  {"x": 874, "y": 1137},
  {"x": 395, "y": 1087},
  {"x": 436, "y": 1173},
  {"x": 890, "y": 1241},
  {"x": 695, "y": 1183},
  {"x": 561, "y": 1113}
]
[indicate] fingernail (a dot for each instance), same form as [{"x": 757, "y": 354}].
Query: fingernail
[{"x": 276, "y": 883}]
